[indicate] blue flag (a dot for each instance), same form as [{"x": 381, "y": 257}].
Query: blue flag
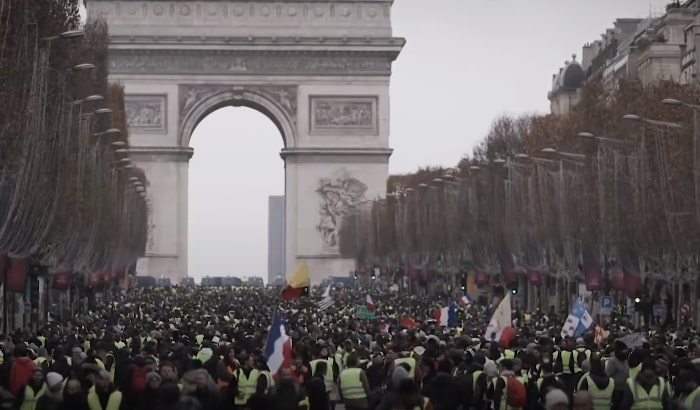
[{"x": 578, "y": 322}]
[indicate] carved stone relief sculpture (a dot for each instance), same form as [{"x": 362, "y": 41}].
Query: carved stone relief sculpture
[
  {"x": 343, "y": 114},
  {"x": 285, "y": 96},
  {"x": 339, "y": 194},
  {"x": 145, "y": 112}
]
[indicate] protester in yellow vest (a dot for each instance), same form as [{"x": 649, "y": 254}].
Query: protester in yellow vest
[
  {"x": 354, "y": 385},
  {"x": 647, "y": 391},
  {"x": 598, "y": 384},
  {"x": 53, "y": 392},
  {"x": 248, "y": 379},
  {"x": 103, "y": 395},
  {"x": 687, "y": 382},
  {"x": 29, "y": 394}
]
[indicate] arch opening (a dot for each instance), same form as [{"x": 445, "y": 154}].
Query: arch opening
[{"x": 234, "y": 171}]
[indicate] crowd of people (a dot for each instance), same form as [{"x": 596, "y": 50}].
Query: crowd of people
[{"x": 201, "y": 348}]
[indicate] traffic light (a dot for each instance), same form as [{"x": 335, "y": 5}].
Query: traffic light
[
  {"x": 513, "y": 286},
  {"x": 464, "y": 277}
]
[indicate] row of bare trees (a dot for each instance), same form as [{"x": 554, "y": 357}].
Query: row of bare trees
[
  {"x": 70, "y": 198},
  {"x": 611, "y": 188}
]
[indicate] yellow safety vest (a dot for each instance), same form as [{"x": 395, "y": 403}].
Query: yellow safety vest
[
  {"x": 691, "y": 398},
  {"x": 634, "y": 371},
  {"x": 644, "y": 400},
  {"x": 566, "y": 357},
  {"x": 29, "y": 401},
  {"x": 577, "y": 352},
  {"x": 246, "y": 385},
  {"x": 351, "y": 385},
  {"x": 475, "y": 379},
  {"x": 270, "y": 380},
  {"x": 304, "y": 403},
  {"x": 114, "y": 402},
  {"x": 411, "y": 362},
  {"x": 328, "y": 378},
  {"x": 602, "y": 398},
  {"x": 199, "y": 339},
  {"x": 507, "y": 354}
]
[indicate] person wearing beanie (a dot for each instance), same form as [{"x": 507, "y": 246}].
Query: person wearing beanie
[
  {"x": 53, "y": 393},
  {"x": 556, "y": 399},
  {"x": 647, "y": 387},
  {"x": 618, "y": 369}
]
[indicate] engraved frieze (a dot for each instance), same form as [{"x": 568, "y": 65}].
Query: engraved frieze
[
  {"x": 342, "y": 114},
  {"x": 145, "y": 112},
  {"x": 218, "y": 62}
]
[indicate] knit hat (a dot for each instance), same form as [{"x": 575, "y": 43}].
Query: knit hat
[
  {"x": 53, "y": 379},
  {"x": 398, "y": 375},
  {"x": 554, "y": 398}
]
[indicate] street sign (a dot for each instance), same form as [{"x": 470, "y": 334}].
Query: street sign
[
  {"x": 27, "y": 307},
  {"x": 685, "y": 309},
  {"x": 606, "y": 304},
  {"x": 361, "y": 312},
  {"x": 660, "y": 311}
]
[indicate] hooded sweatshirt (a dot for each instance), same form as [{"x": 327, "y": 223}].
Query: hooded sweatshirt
[{"x": 20, "y": 373}]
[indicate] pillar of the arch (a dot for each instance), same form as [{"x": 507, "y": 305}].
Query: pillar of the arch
[
  {"x": 166, "y": 170},
  {"x": 313, "y": 176}
]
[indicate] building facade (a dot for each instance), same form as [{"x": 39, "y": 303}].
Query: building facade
[
  {"x": 275, "y": 237},
  {"x": 651, "y": 49}
]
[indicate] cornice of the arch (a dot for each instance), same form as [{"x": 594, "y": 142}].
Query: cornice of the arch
[{"x": 278, "y": 102}]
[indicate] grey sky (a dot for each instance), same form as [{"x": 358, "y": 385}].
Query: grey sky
[{"x": 466, "y": 62}]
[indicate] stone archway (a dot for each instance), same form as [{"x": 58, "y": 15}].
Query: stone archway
[{"x": 319, "y": 70}]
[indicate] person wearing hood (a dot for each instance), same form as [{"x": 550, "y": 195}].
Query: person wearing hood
[
  {"x": 21, "y": 369},
  {"x": 618, "y": 369},
  {"x": 647, "y": 389},
  {"x": 53, "y": 393},
  {"x": 29, "y": 393},
  {"x": 149, "y": 397},
  {"x": 404, "y": 391},
  {"x": 598, "y": 384},
  {"x": 103, "y": 395}
]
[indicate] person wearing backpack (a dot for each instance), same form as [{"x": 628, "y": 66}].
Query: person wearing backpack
[
  {"x": 507, "y": 392},
  {"x": 137, "y": 377}
]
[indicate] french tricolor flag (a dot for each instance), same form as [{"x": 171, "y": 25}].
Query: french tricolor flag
[
  {"x": 466, "y": 300},
  {"x": 446, "y": 316},
  {"x": 278, "y": 348},
  {"x": 370, "y": 304}
]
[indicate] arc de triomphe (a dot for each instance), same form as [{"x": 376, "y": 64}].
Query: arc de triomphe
[{"x": 318, "y": 69}]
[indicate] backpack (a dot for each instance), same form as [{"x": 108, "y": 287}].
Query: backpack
[
  {"x": 138, "y": 379},
  {"x": 516, "y": 395}
]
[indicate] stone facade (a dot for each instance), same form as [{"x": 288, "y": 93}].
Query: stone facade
[
  {"x": 319, "y": 69},
  {"x": 652, "y": 49}
]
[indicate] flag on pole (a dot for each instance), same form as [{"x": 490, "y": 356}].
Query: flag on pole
[
  {"x": 370, "y": 304},
  {"x": 579, "y": 321},
  {"x": 466, "y": 300},
  {"x": 278, "y": 347},
  {"x": 298, "y": 284},
  {"x": 326, "y": 300},
  {"x": 500, "y": 319},
  {"x": 446, "y": 316}
]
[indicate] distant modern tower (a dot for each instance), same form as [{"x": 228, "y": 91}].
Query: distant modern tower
[{"x": 275, "y": 237}]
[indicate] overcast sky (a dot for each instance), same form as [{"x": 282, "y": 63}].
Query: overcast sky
[{"x": 465, "y": 63}]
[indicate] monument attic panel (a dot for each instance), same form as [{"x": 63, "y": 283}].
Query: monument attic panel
[
  {"x": 218, "y": 62},
  {"x": 364, "y": 18}
]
